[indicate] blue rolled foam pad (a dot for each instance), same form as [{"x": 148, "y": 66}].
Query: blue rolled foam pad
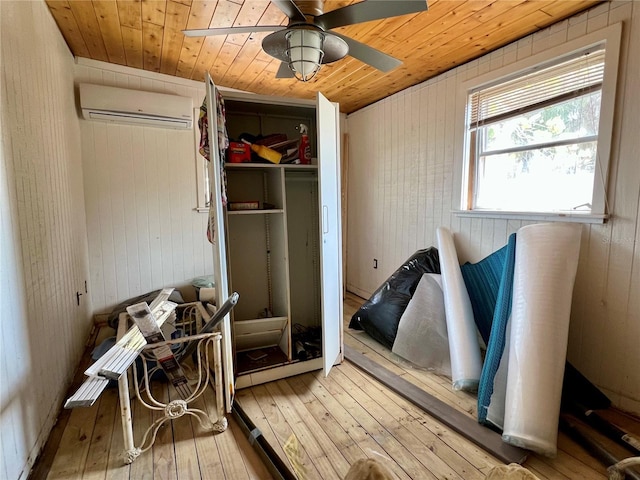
[
  {"x": 483, "y": 281},
  {"x": 496, "y": 343}
]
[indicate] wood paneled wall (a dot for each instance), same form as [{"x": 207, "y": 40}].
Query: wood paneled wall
[
  {"x": 43, "y": 249},
  {"x": 140, "y": 194},
  {"x": 402, "y": 152}
]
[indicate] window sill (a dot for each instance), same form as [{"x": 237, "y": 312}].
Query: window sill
[{"x": 534, "y": 216}]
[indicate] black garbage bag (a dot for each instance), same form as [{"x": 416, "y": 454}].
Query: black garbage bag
[{"x": 379, "y": 316}]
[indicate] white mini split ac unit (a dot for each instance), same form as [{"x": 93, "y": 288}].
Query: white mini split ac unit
[{"x": 121, "y": 105}]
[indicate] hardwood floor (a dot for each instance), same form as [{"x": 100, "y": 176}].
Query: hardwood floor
[{"x": 334, "y": 421}]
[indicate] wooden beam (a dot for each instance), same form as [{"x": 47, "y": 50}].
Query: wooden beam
[
  {"x": 483, "y": 437},
  {"x": 85, "y": 16},
  {"x": 200, "y": 16},
  {"x": 151, "y": 46},
  {"x": 132, "y": 39},
  {"x": 107, "y": 16},
  {"x": 176, "y": 19},
  {"x": 154, "y": 11},
  {"x": 68, "y": 26}
]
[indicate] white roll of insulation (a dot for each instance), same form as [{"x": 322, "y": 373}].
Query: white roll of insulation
[
  {"x": 545, "y": 270},
  {"x": 466, "y": 362}
]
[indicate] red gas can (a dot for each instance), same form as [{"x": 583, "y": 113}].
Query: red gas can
[{"x": 239, "y": 152}]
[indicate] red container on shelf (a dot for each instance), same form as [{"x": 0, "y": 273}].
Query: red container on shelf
[{"x": 239, "y": 152}]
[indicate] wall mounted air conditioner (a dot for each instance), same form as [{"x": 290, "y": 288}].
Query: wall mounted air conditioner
[{"x": 121, "y": 105}]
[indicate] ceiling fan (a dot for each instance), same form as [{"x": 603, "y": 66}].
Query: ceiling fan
[{"x": 307, "y": 42}]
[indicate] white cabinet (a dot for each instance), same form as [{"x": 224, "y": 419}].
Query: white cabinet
[{"x": 283, "y": 257}]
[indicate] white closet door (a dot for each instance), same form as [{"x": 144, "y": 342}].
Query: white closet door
[
  {"x": 331, "y": 234},
  {"x": 216, "y": 216}
]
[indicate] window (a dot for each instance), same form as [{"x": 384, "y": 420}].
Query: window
[{"x": 538, "y": 139}]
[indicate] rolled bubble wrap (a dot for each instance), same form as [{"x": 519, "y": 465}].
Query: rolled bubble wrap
[
  {"x": 464, "y": 348},
  {"x": 545, "y": 270}
]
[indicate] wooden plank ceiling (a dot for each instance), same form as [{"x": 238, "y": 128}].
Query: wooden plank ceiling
[{"x": 147, "y": 34}]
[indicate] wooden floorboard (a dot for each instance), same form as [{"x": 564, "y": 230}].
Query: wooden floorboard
[
  {"x": 336, "y": 421},
  {"x": 357, "y": 425},
  {"x": 459, "y": 422}
]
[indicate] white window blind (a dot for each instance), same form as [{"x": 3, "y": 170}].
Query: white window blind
[{"x": 576, "y": 76}]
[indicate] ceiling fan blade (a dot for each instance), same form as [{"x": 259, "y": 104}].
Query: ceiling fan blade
[
  {"x": 205, "y": 32},
  {"x": 370, "y": 55},
  {"x": 368, "y": 10},
  {"x": 290, "y": 9},
  {"x": 284, "y": 71}
]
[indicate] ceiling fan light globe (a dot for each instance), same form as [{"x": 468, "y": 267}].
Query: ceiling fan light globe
[
  {"x": 304, "y": 52},
  {"x": 304, "y": 48}
]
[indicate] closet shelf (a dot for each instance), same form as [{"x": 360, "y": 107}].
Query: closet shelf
[
  {"x": 255, "y": 212},
  {"x": 286, "y": 166},
  {"x": 259, "y": 332}
]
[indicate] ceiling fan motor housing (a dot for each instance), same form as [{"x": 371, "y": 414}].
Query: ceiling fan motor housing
[{"x": 313, "y": 8}]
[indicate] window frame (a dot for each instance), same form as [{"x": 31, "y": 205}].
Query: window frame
[{"x": 608, "y": 37}]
